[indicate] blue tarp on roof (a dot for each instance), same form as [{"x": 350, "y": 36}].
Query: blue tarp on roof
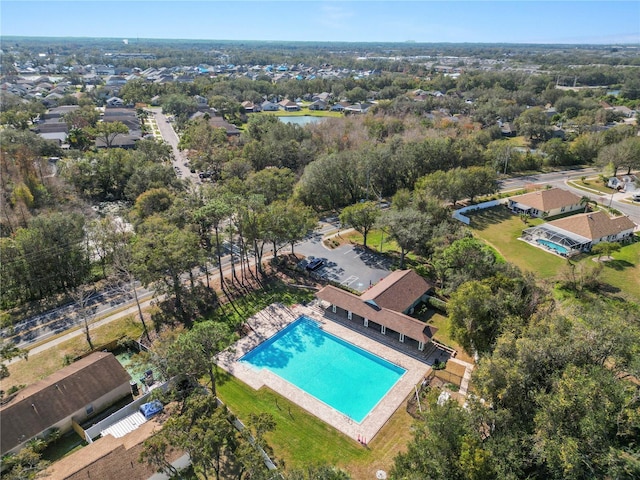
[{"x": 150, "y": 409}]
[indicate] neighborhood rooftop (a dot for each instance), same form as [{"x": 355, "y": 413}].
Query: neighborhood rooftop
[
  {"x": 42, "y": 405},
  {"x": 547, "y": 200},
  {"x": 398, "y": 291},
  {"x": 593, "y": 226}
]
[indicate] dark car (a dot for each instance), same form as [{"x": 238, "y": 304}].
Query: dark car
[{"x": 315, "y": 264}]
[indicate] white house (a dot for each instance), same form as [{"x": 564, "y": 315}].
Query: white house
[
  {"x": 546, "y": 203},
  {"x": 583, "y": 231},
  {"x": 268, "y": 106}
]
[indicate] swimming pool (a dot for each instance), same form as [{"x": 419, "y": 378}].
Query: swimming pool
[
  {"x": 553, "y": 246},
  {"x": 337, "y": 373}
]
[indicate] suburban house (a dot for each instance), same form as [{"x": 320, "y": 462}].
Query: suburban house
[
  {"x": 318, "y": 105},
  {"x": 128, "y": 117},
  {"x": 289, "y": 106},
  {"x": 384, "y": 307},
  {"x": 110, "y": 457},
  {"x": 546, "y": 203},
  {"x": 358, "y": 108},
  {"x": 71, "y": 395},
  {"x": 624, "y": 183},
  {"x": 115, "y": 102},
  {"x": 268, "y": 106},
  {"x": 230, "y": 129},
  {"x": 581, "y": 232},
  {"x": 250, "y": 107}
]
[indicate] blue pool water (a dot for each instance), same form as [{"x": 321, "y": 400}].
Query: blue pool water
[
  {"x": 337, "y": 373},
  {"x": 553, "y": 246}
]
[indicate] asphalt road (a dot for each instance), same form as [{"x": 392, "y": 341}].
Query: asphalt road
[
  {"x": 171, "y": 137},
  {"x": 348, "y": 264},
  {"x": 559, "y": 179}
]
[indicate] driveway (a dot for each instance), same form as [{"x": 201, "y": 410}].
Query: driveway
[{"x": 349, "y": 265}]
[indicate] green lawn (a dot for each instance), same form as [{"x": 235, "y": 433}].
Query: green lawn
[
  {"x": 305, "y": 112},
  {"x": 623, "y": 271},
  {"x": 300, "y": 439},
  {"x": 501, "y": 229},
  {"x": 591, "y": 184}
]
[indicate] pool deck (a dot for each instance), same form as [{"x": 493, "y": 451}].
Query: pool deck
[{"x": 274, "y": 318}]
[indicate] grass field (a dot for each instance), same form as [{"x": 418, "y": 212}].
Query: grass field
[
  {"x": 304, "y": 112},
  {"x": 301, "y": 439},
  {"x": 42, "y": 364},
  {"x": 501, "y": 229}
]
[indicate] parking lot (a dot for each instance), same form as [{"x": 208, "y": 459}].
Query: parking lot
[{"x": 349, "y": 265}]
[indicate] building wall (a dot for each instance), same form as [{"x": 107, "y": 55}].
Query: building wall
[{"x": 64, "y": 424}]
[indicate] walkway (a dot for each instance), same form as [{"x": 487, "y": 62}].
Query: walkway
[{"x": 273, "y": 319}]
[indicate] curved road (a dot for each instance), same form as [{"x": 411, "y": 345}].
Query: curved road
[{"x": 560, "y": 179}]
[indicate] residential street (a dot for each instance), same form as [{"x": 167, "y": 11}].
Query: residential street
[{"x": 559, "y": 179}]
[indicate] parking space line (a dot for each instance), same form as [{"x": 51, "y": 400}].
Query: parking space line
[
  {"x": 349, "y": 280},
  {"x": 348, "y": 251}
]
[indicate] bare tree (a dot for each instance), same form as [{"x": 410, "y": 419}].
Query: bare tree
[{"x": 81, "y": 296}]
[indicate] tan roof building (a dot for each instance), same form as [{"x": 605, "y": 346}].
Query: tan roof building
[
  {"x": 550, "y": 202},
  {"x": 377, "y": 308},
  {"x": 595, "y": 226},
  {"x": 399, "y": 291},
  {"x": 76, "y": 392},
  {"x": 110, "y": 457},
  {"x": 581, "y": 232}
]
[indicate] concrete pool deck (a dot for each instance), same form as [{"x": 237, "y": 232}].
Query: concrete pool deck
[{"x": 274, "y": 318}]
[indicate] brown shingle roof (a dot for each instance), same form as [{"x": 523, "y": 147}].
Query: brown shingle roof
[
  {"x": 546, "y": 200},
  {"x": 594, "y": 225},
  {"x": 399, "y": 322},
  {"x": 43, "y": 404},
  {"x": 398, "y": 291},
  {"x": 110, "y": 457}
]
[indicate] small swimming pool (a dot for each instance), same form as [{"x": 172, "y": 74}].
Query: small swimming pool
[
  {"x": 337, "y": 373},
  {"x": 553, "y": 246}
]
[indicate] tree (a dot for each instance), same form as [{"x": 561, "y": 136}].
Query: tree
[
  {"x": 107, "y": 132},
  {"x": 272, "y": 183},
  {"x": 476, "y": 181},
  {"x": 330, "y": 182},
  {"x": 82, "y": 298},
  {"x": 407, "y": 227},
  {"x": 605, "y": 249},
  {"x": 473, "y": 318},
  {"x": 533, "y": 123},
  {"x": 578, "y": 421},
  {"x": 9, "y": 351},
  {"x": 204, "y": 431},
  {"x": 625, "y": 153},
  {"x": 162, "y": 253},
  {"x": 193, "y": 352},
  {"x": 362, "y": 217},
  {"x": 463, "y": 260},
  {"x": 444, "y": 446},
  {"x": 442, "y": 185}
]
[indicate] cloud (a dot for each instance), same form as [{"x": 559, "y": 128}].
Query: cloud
[{"x": 335, "y": 16}]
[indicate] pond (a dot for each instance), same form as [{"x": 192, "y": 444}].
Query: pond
[{"x": 301, "y": 120}]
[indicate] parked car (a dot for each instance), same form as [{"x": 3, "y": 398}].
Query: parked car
[{"x": 315, "y": 264}]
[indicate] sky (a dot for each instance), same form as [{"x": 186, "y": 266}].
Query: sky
[{"x": 476, "y": 21}]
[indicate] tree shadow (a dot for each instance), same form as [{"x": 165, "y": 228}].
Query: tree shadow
[
  {"x": 482, "y": 219},
  {"x": 617, "y": 264}
]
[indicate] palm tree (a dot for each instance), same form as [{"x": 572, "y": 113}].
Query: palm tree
[{"x": 586, "y": 201}]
